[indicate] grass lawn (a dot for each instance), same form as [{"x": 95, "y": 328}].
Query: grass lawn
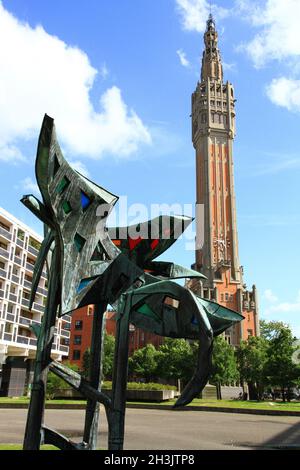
[
  {"x": 19, "y": 447},
  {"x": 253, "y": 405},
  {"x": 265, "y": 405}
]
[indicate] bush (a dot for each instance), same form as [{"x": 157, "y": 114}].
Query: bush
[
  {"x": 140, "y": 386},
  {"x": 55, "y": 383}
]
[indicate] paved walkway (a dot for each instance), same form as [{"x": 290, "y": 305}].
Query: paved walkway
[{"x": 179, "y": 430}]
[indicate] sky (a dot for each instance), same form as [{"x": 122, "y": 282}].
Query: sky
[{"x": 117, "y": 77}]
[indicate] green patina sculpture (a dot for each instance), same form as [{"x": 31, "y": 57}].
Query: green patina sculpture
[{"x": 89, "y": 263}]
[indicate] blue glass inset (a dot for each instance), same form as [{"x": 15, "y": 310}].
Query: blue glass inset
[
  {"x": 83, "y": 284},
  {"x": 85, "y": 200}
]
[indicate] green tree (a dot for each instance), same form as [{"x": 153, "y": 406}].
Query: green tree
[
  {"x": 281, "y": 370},
  {"x": 109, "y": 353},
  {"x": 271, "y": 329},
  {"x": 177, "y": 359},
  {"x": 108, "y": 358},
  {"x": 224, "y": 366},
  {"x": 252, "y": 356},
  {"x": 143, "y": 362},
  {"x": 86, "y": 360}
]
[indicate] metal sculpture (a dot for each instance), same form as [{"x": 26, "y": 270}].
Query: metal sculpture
[{"x": 89, "y": 263}]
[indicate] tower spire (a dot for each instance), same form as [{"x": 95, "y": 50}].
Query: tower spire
[{"x": 211, "y": 60}]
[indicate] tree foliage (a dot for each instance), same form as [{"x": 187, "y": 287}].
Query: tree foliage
[
  {"x": 55, "y": 383},
  {"x": 177, "y": 359},
  {"x": 109, "y": 353},
  {"x": 280, "y": 369},
  {"x": 271, "y": 329},
  {"x": 252, "y": 356},
  {"x": 108, "y": 358},
  {"x": 224, "y": 366},
  {"x": 143, "y": 362}
]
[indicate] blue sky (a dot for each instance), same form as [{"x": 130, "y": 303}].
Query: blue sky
[{"x": 117, "y": 76}]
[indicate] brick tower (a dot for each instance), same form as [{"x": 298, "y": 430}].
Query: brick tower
[{"x": 213, "y": 131}]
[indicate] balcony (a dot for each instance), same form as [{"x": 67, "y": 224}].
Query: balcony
[
  {"x": 3, "y": 273},
  {"x": 20, "y": 243},
  {"x": 23, "y": 339},
  {"x": 10, "y": 317},
  {"x": 27, "y": 284},
  {"x": 25, "y": 302},
  {"x": 38, "y": 307},
  {"x": 7, "y": 337},
  {"x": 42, "y": 291},
  {"x": 25, "y": 321},
  {"x": 32, "y": 250},
  {"x": 13, "y": 298},
  {"x": 4, "y": 253},
  {"x": 65, "y": 334},
  {"x": 15, "y": 279},
  {"x": 29, "y": 266},
  {"x": 5, "y": 233},
  {"x": 18, "y": 260}
]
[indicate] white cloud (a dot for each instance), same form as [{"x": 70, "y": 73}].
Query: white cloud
[
  {"x": 287, "y": 312},
  {"x": 29, "y": 185},
  {"x": 40, "y": 73},
  {"x": 285, "y": 92},
  {"x": 80, "y": 167},
  {"x": 268, "y": 295},
  {"x": 104, "y": 72},
  {"x": 182, "y": 57},
  {"x": 278, "y": 37},
  {"x": 229, "y": 67},
  {"x": 285, "y": 307},
  {"x": 10, "y": 153},
  {"x": 194, "y": 13}
]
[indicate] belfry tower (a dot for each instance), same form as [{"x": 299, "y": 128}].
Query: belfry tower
[{"x": 213, "y": 131}]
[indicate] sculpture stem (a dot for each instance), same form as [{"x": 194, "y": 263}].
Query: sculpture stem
[{"x": 90, "y": 434}]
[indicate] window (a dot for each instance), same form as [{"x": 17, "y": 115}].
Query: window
[
  {"x": 76, "y": 355},
  {"x": 6, "y": 227},
  {"x": 34, "y": 243},
  {"x": 21, "y": 234},
  {"x": 90, "y": 311},
  {"x": 226, "y": 296},
  {"x": 77, "y": 339},
  {"x": 222, "y": 297},
  {"x": 78, "y": 325}
]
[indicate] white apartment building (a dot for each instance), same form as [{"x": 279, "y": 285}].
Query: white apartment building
[{"x": 18, "y": 251}]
